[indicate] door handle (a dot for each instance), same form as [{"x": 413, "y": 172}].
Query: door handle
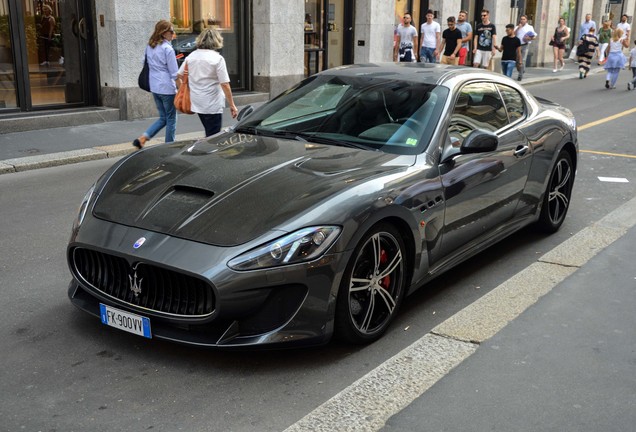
[
  {"x": 82, "y": 28},
  {"x": 521, "y": 150}
]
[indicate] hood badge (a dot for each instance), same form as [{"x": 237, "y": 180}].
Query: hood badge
[
  {"x": 139, "y": 242},
  {"x": 135, "y": 284}
]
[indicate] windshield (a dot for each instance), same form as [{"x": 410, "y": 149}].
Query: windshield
[{"x": 363, "y": 112}]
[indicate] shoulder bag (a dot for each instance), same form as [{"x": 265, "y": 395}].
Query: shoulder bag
[
  {"x": 144, "y": 77},
  {"x": 182, "y": 99}
]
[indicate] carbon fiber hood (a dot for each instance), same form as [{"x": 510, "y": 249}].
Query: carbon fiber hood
[{"x": 234, "y": 187}]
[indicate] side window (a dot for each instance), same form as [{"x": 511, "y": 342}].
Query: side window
[
  {"x": 515, "y": 105},
  {"x": 478, "y": 106}
]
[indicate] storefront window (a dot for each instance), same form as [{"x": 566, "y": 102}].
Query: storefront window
[
  {"x": 314, "y": 35},
  {"x": 414, "y": 7},
  {"x": 195, "y": 15},
  {"x": 190, "y": 17}
]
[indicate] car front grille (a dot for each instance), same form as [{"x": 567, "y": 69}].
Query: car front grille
[{"x": 144, "y": 285}]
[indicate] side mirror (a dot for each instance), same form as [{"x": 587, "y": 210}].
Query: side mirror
[
  {"x": 479, "y": 141},
  {"x": 245, "y": 112}
]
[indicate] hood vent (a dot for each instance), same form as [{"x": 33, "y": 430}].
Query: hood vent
[{"x": 176, "y": 205}]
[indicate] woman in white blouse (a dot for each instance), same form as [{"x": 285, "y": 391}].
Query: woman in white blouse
[{"x": 209, "y": 81}]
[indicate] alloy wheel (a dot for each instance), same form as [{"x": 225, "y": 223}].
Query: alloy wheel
[{"x": 375, "y": 285}]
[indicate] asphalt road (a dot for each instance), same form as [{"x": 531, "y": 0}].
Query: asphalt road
[{"x": 63, "y": 370}]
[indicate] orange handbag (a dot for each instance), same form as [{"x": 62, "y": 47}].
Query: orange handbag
[{"x": 182, "y": 99}]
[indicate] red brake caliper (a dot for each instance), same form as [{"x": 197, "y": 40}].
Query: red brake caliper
[{"x": 386, "y": 281}]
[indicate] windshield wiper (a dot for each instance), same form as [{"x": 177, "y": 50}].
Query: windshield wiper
[
  {"x": 247, "y": 129},
  {"x": 298, "y": 136},
  {"x": 313, "y": 137},
  {"x": 334, "y": 141}
]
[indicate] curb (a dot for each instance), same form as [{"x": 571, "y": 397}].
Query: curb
[{"x": 83, "y": 155}]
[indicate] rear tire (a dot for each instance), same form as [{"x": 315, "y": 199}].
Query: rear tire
[
  {"x": 556, "y": 201},
  {"x": 372, "y": 286}
]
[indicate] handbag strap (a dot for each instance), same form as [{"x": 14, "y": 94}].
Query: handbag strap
[{"x": 184, "y": 80}]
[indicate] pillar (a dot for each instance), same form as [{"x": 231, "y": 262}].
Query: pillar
[
  {"x": 278, "y": 37},
  {"x": 127, "y": 27},
  {"x": 373, "y": 32}
]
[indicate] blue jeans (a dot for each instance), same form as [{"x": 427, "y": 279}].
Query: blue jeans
[
  {"x": 428, "y": 55},
  {"x": 167, "y": 117},
  {"x": 507, "y": 66}
]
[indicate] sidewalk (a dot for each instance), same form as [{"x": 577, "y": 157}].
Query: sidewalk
[
  {"x": 21, "y": 151},
  {"x": 565, "y": 364}
]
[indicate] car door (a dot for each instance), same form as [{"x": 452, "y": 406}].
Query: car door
[{"x": 482, "y": 190}]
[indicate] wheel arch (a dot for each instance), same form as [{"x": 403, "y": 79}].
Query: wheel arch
[
  {"x": 399, "y": 218},
  {"x": 409, "y": 243},
  {"x": 571, "y": 149}
]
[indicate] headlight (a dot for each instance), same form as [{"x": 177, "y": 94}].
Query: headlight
[
  {"x": 573, "y": 123},
  {"x": 303, "y": 245},
  {"x": 81, "y": 212}
]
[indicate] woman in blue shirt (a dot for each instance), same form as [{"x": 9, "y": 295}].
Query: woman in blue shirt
[{"x": 163, "y": 73}]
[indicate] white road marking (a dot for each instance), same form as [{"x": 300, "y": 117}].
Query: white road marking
[{"x": 613, "y": 179}]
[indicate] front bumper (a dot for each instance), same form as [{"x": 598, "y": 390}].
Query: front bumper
[
  {"x": 271, "y": 307},
  {"x": 220, "y": 334}
]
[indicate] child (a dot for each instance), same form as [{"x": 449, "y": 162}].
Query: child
[{"x": 632, "y": 64}]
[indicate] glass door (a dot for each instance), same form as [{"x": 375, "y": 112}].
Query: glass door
[
  {"x": 340, "y": 33},
  {"x": 46, "y": 52},
  {"x": 568, "y": 12},
  {"x": 8, "y": 88}
]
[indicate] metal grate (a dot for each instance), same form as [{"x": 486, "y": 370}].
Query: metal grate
[{"x": 144, "y": 285}]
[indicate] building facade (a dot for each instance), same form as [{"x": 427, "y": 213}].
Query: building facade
[{"x": 77, "y": 54}]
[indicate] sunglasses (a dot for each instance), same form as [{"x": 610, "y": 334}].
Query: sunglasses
[{"x": 484, "y": 16}]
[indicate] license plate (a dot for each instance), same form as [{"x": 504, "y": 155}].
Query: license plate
[{"x": 125, "y": 321}]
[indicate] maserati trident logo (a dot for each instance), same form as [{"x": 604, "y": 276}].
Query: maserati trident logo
[
  {"x": 139, "y": 242},
  {"x": 135, "y": 283}
]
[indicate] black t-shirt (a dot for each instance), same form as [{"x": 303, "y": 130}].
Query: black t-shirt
[
  {"x": 485, "y": 34},
  {"x": 510, "y": 45},
  {"x": 452, "y": 38}
]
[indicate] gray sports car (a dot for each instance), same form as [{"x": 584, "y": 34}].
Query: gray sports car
[{"x": 320, "y": 211}]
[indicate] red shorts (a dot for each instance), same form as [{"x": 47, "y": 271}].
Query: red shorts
[{"x": 462, "y": 55}]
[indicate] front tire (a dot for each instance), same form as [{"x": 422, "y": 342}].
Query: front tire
[
  {"x": 556, "y": 201},
  {"x": 372, "y": 286}
]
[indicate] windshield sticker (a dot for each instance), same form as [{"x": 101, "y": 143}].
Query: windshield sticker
[{"x": 411, "y": 142}]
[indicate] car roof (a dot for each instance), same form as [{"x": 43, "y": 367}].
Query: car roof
[{"x": 425, "y": 73}]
